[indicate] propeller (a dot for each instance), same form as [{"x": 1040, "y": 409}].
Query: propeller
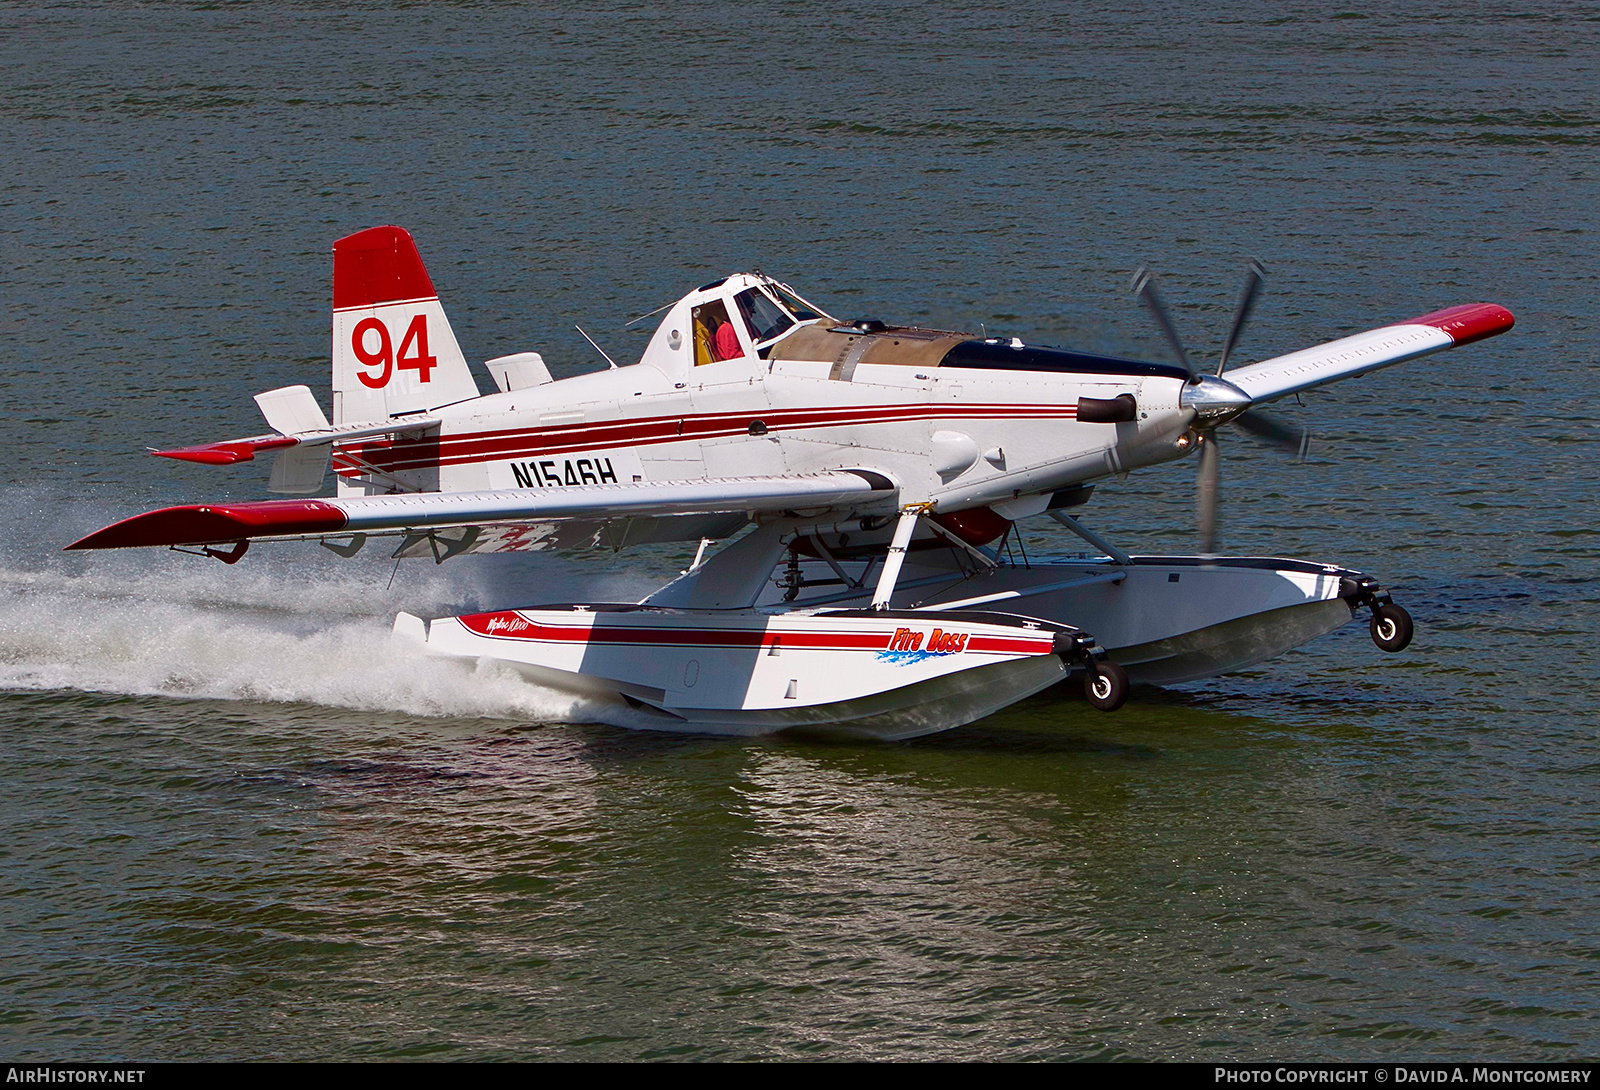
[
  {"x": 1217, "y": 402},
  {"x": 1255, "y": 275}
]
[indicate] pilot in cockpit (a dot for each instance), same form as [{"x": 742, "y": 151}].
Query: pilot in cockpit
[
  {"x": 725, "y": 344},
  {"x": 715, "y": 338}
]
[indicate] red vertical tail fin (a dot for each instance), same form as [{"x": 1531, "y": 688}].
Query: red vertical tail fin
[{"x": 393, "y": 349}]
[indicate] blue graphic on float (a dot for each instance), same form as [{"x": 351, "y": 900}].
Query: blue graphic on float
[{"x": 905, "y": 658}]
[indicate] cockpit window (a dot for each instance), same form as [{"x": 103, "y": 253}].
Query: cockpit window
[
  {"x": 765, "y": 318},
  {"x": 797, "y": 306},
  {"x": 715, "y": 339}
]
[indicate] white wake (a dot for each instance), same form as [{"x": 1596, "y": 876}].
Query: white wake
[{"x": 281, "y": 625}]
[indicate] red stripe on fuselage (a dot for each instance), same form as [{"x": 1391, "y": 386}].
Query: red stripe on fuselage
[{"x": 474, "y": 447}]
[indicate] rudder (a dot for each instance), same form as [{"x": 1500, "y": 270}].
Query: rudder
[{"x": 393, "y": 349}]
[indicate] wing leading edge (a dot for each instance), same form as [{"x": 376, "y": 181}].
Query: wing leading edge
[
  {"x": 292, "y": 520},
  {"x": 1363, "y": 352}
]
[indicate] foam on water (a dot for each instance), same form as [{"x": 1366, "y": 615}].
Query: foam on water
[{"x": 288, "y": 623}]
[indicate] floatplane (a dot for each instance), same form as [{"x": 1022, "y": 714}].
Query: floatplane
[{"x": 864, "y": 480}]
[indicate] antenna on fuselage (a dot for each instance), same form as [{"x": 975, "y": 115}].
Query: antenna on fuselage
[
  {"x": 597, "y": 348},
  {"x": 642, "y": 317}
]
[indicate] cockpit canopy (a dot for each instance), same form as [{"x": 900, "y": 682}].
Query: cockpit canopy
[
  {"x": 763, "y": 311},
  {"x": 749, "y": 316}
]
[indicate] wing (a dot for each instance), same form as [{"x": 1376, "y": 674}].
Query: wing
[
  {"x": 1351, "y": 356},
  {"x": 507, "y": 515}
]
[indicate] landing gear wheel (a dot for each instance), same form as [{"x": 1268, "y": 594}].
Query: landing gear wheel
[
  {"x": 1106, "y": 685},
  {"x": 1391, "y": 627}
]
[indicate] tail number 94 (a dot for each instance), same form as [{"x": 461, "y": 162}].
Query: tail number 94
[{"x": 373, "y": 347}]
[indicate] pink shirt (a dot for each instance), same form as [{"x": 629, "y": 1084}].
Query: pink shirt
[{"x": 726, "y": 342}]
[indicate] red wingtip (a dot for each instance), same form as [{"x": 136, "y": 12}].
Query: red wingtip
[
  {"x": 218, "y": 524},
  {"x": 226, "y": 454},
  {"x": 378, "y": 265},
  {"x": 1468, "y": 323}
]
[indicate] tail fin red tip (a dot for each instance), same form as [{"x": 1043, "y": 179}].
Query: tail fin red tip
[{"x": 378, "y": 265}]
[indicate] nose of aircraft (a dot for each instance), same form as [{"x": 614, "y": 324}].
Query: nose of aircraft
[{"x": 1214, "y": 400}]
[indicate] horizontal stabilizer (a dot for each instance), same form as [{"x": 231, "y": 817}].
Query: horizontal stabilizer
[
  {"x": 305, "y": 519},
  {"x": 232, "y": 451},
  {"x": 1363, "y": 352},
  {"x": 292, "y": 410}
]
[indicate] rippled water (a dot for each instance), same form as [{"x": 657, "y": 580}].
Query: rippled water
[{"x": 238, "y": 823}]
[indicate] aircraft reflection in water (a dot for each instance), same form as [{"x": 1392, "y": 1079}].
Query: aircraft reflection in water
[{"x": 883, "y": 468}]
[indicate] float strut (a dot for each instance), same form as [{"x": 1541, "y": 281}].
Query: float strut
[
  {"x": 896, "y": 556},
  {"x": 1091, "y": 537}
]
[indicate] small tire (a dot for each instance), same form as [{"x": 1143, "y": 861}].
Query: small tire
[
  {"x": 1391, "y": 627},
  {"x": 1106, "y": 685}
]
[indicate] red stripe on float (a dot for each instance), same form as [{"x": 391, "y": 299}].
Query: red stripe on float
[
  {"x": 509, "y": 625},
  {"x": 513, "y": 626},
  {"x": 1009, "y": 646},
  {"x": 1468, "y": 323}
]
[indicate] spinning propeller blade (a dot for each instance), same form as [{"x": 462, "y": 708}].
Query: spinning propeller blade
[
  {"x": 1144, "y": 286},
  {"x": 1219, "y": 403},
  {"x": 1275, "y": 432},
  {"x": 1254, "y": 277},
  {"x": 1206, "y": 497}
]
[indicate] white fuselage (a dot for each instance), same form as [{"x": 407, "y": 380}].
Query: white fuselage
[{"x": 956, "y": 437}]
